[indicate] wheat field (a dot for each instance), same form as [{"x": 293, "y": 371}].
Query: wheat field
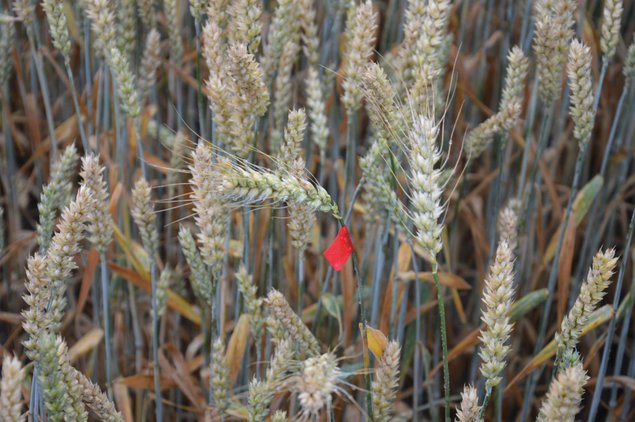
[{"x": 317, "y": 210}]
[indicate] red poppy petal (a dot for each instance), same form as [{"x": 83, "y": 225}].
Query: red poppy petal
[{"x": 340, "y": 250}]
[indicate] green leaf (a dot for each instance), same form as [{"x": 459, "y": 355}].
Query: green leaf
[{"x": 332, "y": 306}]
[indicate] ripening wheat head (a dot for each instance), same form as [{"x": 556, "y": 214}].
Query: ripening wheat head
[
  {"x": 554, "y": 20},
  {"x": 60, "y": 257},
  {"x": 55, "y": 195},
  {"x": 142, "y": 211},
  {"x": 611, "y": 20},
  {"x": 210, "y": 214},
  {"x": 497, "y": 297},
  {"x": 103, "y": 24},
  {"x": 200, "y": 276},
  {"x": 262, "y": 392},
  {"x": 507, "y": 226},
  {"x": 240, "y": 183},
  {"x": 219, "y": 380},
  {"x": 96, "y": 401},
  {"x": 284, "y": 28},
  {"x": 386, "y": 382},
  {"x": 510, "y": 106},
  {"x": 360, "y": 37},
  {"x": 469, "y": 410},
  {"x": 425, "y": 189},
  {"x": 150, "y": 63},
  {"x": 564, "y": 397},
  {"x": 317, "y": 382},
  {"x": 58, "y": 26},
  {"x": 591, "y": 293},
  {"x": 579, "y": 72},
  {"x": 291, "y": 323},
  {"x": 253, "y": 303},
  {"x": 98, "y": 217}
]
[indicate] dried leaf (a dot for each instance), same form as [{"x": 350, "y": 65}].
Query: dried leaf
[
  {"x": 87, "y": 280},
  {"x": 377, "y": 341},
  {"x": 446, "y": 279},
  {"x": 564, "y": 269},
  {"x": 236, "y": 347},
  {"x": 174, "y": 301},
  {"x": 85, "y": 344},
  {"x": 122, "y": 398}
]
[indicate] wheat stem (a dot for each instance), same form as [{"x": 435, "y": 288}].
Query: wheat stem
[
  {"x": 88, "y": 74},
  {"x": 155, "y": 343},
  {"x": 488, "y": 395},
  {"x": 141, "y": 158},
  {"x": 444, "y": 340},
  {"x": 349, "y": 161},
  {"x": 418, "y": 343},
  {"x": 545, "y": 128},
  {"x": 78, "y": 113},
  {"x": 46, "y": 98},
  {"x": 300, "y": 275},
  {"x": 105, "y": 297}
]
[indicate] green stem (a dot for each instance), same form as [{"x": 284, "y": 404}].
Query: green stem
[
  {"x": 105, "y": 299},
  {"x": 418, "y": 342},
  {"x": 142, "y": 161},
  {"x": 155, "y": 344},
  {"x": 542, "y": 141},
  {"x": 498, "y": 405},
  {"x": 48, "y": 110},
  {"x": 206, "y": 327},
  {"x": 349, "y": 162},
  {"x": 488, "y": 394},
  {"x": 78, "y": 112},
  {"x": 362, "y": 314},
  {"x": 444, "y": 341},
  {"x": 300, "y": 276}
]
